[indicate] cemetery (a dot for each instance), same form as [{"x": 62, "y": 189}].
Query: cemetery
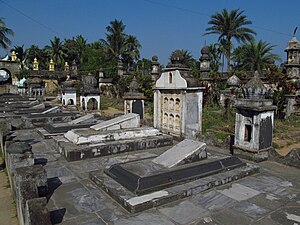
[{"x": 182, "y": 150}]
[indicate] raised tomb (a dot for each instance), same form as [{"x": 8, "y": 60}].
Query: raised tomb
[{"x": 178, "y": 99}]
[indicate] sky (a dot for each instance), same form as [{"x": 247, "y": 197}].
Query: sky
[{"x": 161, "y": 26}]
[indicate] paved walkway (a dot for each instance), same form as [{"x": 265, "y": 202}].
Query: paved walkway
[{"x": 8, "y": 215}]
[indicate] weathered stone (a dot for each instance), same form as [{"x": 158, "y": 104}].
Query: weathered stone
[
  {"x": 35, "y": 174},
  {"x": 89, "y": 136},
  {"x": 130, "y": 120},
  {"x": 185, "y": 151},
  {"x": 18, "y": 148},
  {"x": 37, "y": 212},
  {"x": 74, "y": 152}
]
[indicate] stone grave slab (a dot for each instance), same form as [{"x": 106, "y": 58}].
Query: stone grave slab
[
  {"x": 184, "y": 151},
  {"x": 186, "y": 181},
  {"x": 87, "y": 136},
  {"x": 130, "y": 120},
  {"x": 73, "y": 152},
  {"x": 50, "y": 130},
  {"x": 83, "y": 119},
  {"x": 41, "y": 119}
]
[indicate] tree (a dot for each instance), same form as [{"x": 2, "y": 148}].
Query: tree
[
  {"x": 230, "y": 25},
  {"x": 131, "y": 51},
  {"x": 254, "y": 56},
  {"x": 57, "y": 51},
  {"x": 115, "y": 39},
  {"x": 40, "y": 54},
  {"x": 183, "y": 57},
  {"x": 21, "y": 55},
  {"x": 4, "y": 33}
]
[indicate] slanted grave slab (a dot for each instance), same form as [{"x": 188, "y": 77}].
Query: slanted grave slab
[
  {"x": 130, "y": 120},
  {"x": 185, "y": 151}
]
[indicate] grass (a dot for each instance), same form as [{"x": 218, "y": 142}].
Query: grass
[
  {"x": 111, "y": 102},
  {"x": 216, "y": 121}
]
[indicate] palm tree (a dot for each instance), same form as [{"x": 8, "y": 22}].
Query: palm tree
[
  {"x": 81, "y": 45},
  {"x": 230, "y": 25},
  {"x": 115, "y": 38},
  {"x": 254, "y": 56},
  {"x": 183, "y": 57},
  {"x": 57, "y": 51},
  {"x": 131, "y": 50},
  {"x": 21, "y": 55},
  {"x": 4, "y": 33}
]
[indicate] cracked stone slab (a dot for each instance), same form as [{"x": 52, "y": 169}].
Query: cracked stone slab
[
  {"x": 186, "y": 150},
  {"x": 184, "y": 213},
  {"x": 239, "y": 192}
]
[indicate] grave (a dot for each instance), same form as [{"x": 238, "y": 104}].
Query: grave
[
  {"x": 147, "y": 183},
  {"x": 90, "y": 92},
  {"x": 134, "y": 100},
  {"x": 50, "y": 130},
  {"x": 178, "y": 99},
  {"x": 120, "y": 134},
  {"x": 254, "y": 121}
]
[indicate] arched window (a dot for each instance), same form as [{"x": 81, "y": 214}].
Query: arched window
[
  {"x": 170, "y": 78},
  {"x": 166, "y": 102},
  {"x": 177, "y": 105},
  {"x": 177, "y": 122},
  {"x": 171, "y": 104},
  {"x": 171, "y": 122}
]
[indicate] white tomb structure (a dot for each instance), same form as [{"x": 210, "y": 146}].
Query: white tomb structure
[
  {"x": 178, "y": 100},
  {"x": 69, "y": 93},
  {"x": 90, "y": 92}
]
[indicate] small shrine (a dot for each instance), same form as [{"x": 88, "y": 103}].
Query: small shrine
[
  {"x": 134, "y": 100},
  {"x": 292, "y": 67},
  {"x": 155, "y": 67},
  {"x": 178, "y": 99},
  {"x": 205, "y": 62},
  {"x": 254, "y": 121},
  {"x": 233, "y": 90},
  {"x": 51, "y": 65},
  {"x": 69, "y": 93},
  {"x": 35, "y": 64},
  {"x": 36, "y": 87},
  {"x": 90, "y": 92}
]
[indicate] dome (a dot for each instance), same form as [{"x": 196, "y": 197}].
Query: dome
[
  {"x": 255, "y": 89},
  {"x": 233, "y": 81},
  {"x": 154, "y": 58},
  {"x": 69, "y": 83},
  {"x": 205, "y": 50},
  {"x": 134, "y": 86}
]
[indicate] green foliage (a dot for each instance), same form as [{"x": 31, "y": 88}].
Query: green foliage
[
  {"x": 254, "y": 56},
  {"x": 215, "y": 121},
  {"x": 230, "y": 25},
  {"x": 5, "y": 42},
  {"x": 23, "y": 73}
]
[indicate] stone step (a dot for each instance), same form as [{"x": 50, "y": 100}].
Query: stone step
[
  {"x": 186, "y": 150},
  {"x": 130, "y": 120}
]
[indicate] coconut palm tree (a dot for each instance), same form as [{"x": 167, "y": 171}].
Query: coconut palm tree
[
  {"x": 254, "y": 56},
  {"x": 57, "y": 51},
  {"x": 4, "y": 33},
  {"x": 230, "y": 25},
  {"x": 131, "y": 50},
  {"x": 21, "y": 55},
  {"x": 183, "y": 57},
  {"x": 115, "y": 39}
]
